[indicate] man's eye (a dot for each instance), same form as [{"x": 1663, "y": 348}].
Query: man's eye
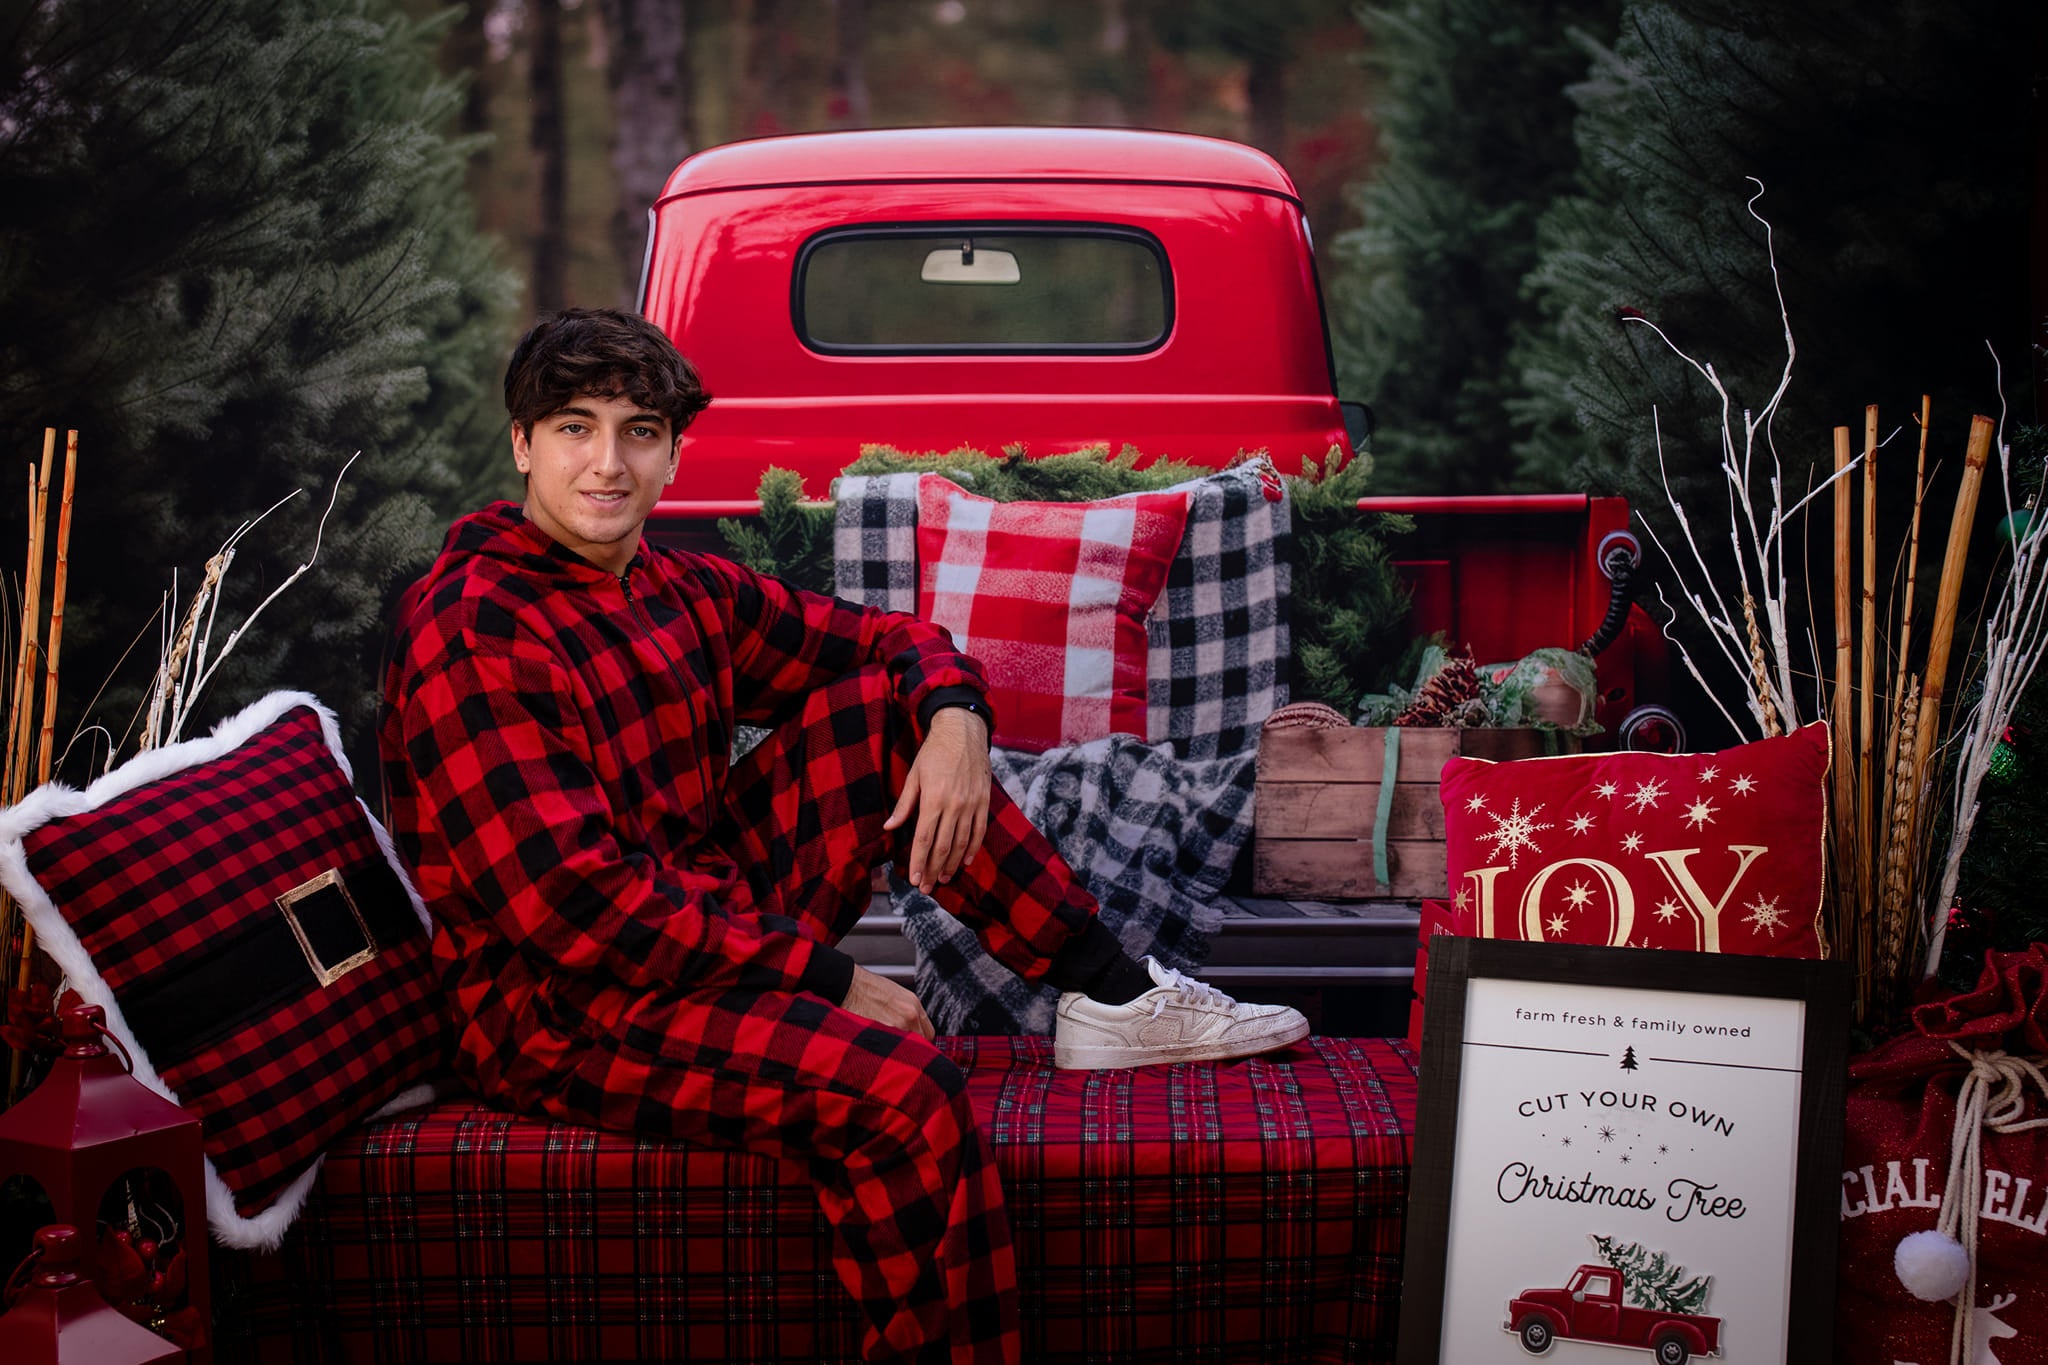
[
  {"x": 573, "y": 428},
  {"x": 646, "y": 433}
]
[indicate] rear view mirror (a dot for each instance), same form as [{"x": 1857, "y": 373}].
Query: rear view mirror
[{"x": 965, "y": 265}]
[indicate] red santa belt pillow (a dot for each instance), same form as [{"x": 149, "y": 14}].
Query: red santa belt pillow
[
  {"x": 1708, "y": 852},
  {"x": 1051, "y": 598}
]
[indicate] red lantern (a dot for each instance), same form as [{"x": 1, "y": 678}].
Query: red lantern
[
  {"x": 85, "y": 1127},
  {"x": 60, "y": 1316}
]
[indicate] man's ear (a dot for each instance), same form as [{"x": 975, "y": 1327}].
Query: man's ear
[{"x": 522, "y": 459}]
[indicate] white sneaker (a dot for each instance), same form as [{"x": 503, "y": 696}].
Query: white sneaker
[{"x": 1178, "y": 1020}]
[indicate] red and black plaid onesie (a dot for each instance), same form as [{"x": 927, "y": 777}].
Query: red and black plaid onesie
[{"x": 637, "y": 931}]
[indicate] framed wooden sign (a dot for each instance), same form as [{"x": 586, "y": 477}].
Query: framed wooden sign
[{"x": 1624, "y": 1148}]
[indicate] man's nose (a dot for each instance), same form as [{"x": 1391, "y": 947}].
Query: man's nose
[{"x": 609, "y": 457}]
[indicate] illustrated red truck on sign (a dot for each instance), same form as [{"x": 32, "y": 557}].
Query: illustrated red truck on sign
[{"x": 1589, "y": 1308}]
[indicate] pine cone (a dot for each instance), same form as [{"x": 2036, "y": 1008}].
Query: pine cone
[{"x": 1444, "y": 697}]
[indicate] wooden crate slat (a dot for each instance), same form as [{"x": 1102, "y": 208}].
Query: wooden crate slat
[{"x": 1345, "y": 810}]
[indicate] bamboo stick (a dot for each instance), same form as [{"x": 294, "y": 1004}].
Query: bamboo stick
[
  {"x": 46, "y": 750},
  {"x": 1866, "y": 839},
  {"x": 21, "y": 706},
  {"x": 1841, "y": 723},
  {"x": 1942, "y": 634},
  {"x": 1904, "y": 643}
]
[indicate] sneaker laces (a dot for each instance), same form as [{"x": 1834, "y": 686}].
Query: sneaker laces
[{"x": 1188, "y": 989}]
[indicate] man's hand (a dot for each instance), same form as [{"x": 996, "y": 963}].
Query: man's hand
[
  {"x": 885, "y": 1002},
  {"x": 948, "y": 788}
]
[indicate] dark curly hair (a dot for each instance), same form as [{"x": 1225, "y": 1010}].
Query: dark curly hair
[{"x": 605, "y": 353}]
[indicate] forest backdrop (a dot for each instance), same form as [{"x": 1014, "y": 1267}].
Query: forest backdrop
[{"x": 241, "y": 239}]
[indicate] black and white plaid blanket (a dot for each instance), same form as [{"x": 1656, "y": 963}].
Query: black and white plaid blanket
[
  {"x": 1153, "y": 836},
  {"x": 1152, "y": 828}
]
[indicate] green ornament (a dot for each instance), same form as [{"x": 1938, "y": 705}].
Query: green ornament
[
  {"x": 2004, "y": 764},
  {"x": 2013, "y": 526}
]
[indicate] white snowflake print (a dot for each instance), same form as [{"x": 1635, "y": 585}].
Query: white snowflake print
[
  {"x": 1463, "y": 900},
  {"x": 1579, "y": 895},
  {"x": 1475, "y": 805},
  {"x": 1743, "y": 786},
  {"x": 1632, "y": 843},
  {"x": 1667, "y": 909},
  {"x": 1700, "y": 814},
  {"x": 1607, "y": 790},
  {"x": 1709, "y": 773},
  {"x": 1647, "y": 794},
  {"x": 1557, "y": 924},
  {"x": 1513, "y": 832},
  {"x": 1765, "y": 914},
  {"x": 1582, "y": 824}
]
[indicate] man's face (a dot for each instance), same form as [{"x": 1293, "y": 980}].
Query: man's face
[{"x": 593, "y": 472}]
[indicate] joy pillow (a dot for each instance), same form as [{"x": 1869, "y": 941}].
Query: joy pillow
[
  {"x": 1708, "y": 852},
  {"x": 1051, "y": 597}
]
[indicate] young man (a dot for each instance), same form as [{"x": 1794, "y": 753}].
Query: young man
[{"x": 638, "y": 930}]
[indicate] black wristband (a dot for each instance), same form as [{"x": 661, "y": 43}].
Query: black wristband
[{"x": 966, "y": 698}]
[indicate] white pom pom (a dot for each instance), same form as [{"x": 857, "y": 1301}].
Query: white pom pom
[{"x": 1932, "y": 1265}]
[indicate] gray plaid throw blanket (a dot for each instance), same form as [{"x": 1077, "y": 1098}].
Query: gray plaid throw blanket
[{"x": 1153, "y": 837}]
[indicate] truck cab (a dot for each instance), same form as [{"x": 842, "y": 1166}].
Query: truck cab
[{"x": 934, "y": 288}]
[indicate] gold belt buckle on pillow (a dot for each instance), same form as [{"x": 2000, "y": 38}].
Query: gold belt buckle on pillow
[{"x": 327, "y": 882}]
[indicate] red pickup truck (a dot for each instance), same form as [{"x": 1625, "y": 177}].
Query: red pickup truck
[{"x": 1589, "y": 1308}]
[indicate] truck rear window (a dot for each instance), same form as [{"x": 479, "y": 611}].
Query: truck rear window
[{"x": 969, "y": 288}]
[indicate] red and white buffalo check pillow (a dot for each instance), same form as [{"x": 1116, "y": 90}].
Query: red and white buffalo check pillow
[
  {"x": 1051, "y": 597},
  {"x": 1708, "y": 852}
]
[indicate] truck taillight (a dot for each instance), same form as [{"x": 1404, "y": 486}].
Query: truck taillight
[{"x": 1652, "y": 730}]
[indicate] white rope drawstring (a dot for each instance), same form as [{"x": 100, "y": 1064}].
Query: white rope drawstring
[{"x": 1978, "y": 1108}]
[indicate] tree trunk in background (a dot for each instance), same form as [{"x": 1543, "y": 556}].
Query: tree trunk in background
[
  {"x": 848, "y": 104},
  {"x": 1265, "y": 90},
  {"x": 465, "y": 51},
  {"x": 649, "y": 67},
  {"x": 549, "y": 143},
  {"x": 764, "y": 93}
]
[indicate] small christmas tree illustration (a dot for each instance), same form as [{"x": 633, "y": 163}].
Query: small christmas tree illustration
[
  {"x": 1653, "y": 1280},
  {"x": 1628, "y": 1059}
]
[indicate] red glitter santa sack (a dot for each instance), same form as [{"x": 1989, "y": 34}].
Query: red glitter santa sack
[{"x": 1982, "y": 1049}]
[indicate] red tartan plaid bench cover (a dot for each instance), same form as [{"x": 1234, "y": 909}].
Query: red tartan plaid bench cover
[{"x": 1250, "y": 1210}]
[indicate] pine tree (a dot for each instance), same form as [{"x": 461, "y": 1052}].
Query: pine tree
[
  {"x": 1475, "y": 137},
  {"x": 1893, "y": 143},
  {"x": 1628, "y": 1059},
  {"x": 1652, "y": 1280},
  {"x": 238, "y": 249}
]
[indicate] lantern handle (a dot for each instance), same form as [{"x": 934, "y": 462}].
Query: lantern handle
[
  {"x": 127, "y": 1062},
  {"x": 19, "y": 1280}
]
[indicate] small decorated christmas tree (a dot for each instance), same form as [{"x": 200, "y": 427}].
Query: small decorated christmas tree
[{"x": 1652, "y": 1279}]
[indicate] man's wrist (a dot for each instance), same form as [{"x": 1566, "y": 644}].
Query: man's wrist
[{"x": 956, "y": 698}]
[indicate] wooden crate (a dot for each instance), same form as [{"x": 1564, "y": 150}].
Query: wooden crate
[{"x": 1318, "y": 795}]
